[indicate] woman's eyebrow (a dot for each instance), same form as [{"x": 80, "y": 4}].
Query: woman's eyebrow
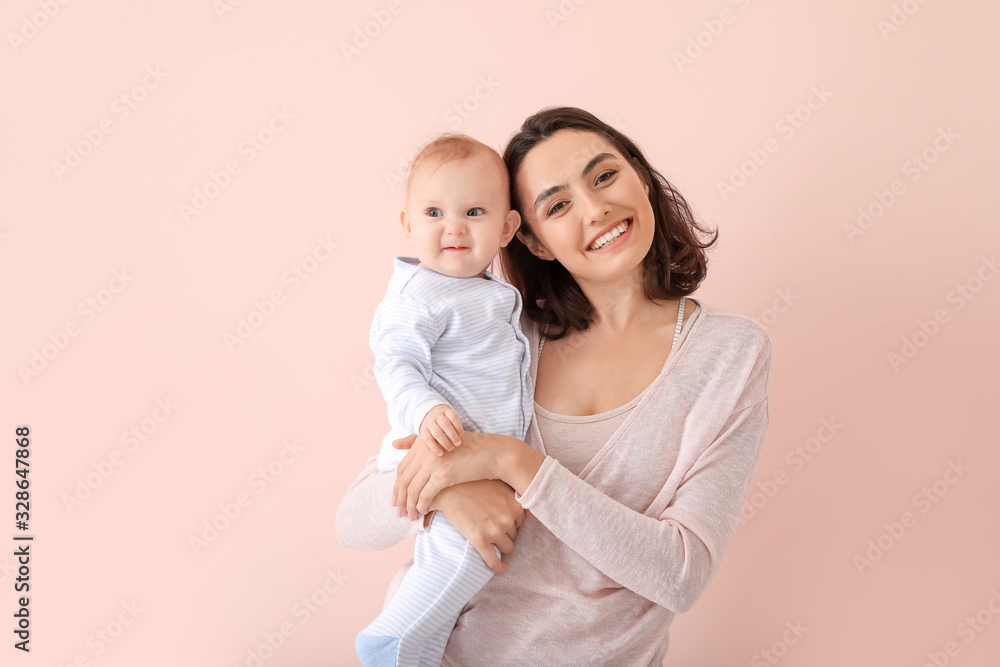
[
  {"x": 600, "y": 157},
  {"x": 548, "y": 192}
]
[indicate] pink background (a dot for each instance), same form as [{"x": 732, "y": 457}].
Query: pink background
[{"x": 332, "y": 130}]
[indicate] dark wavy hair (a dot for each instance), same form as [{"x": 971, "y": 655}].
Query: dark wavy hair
[{"x": 674, "y": 267}]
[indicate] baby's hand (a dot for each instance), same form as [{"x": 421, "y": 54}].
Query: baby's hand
[{"x": 441, "y": 429}]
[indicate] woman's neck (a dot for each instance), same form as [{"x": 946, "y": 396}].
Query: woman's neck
[{"x": 620, "y": 305}]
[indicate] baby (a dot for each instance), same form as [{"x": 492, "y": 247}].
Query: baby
[{"x": 450, "y": 357}]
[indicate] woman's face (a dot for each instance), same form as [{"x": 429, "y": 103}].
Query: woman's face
[{"x": 577, "y": 191}]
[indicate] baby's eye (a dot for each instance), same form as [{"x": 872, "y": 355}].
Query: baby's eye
[
  {"x": 473, "y": 212},
  {"x": 434, "y": 212}
]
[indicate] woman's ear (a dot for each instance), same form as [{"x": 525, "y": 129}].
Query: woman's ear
[{"x": 536, "y": 248}]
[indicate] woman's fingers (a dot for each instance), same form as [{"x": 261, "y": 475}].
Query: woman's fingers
[
  {"x": 413, "y": 491},
  {"x": 505, "y": 544},
  {"x": 489, "y": 555},
  {"x": 430, "y": 489},
  {"x": 404, "y": 443},
  {"x": 403, "y": 478}
]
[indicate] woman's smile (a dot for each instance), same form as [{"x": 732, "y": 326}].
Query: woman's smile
[{"x": 613, "y": 238}]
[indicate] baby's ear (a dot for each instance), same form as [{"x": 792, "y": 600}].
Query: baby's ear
[
  {"x": 510, "y": 225},
  {"x": 404, "y": 220}
]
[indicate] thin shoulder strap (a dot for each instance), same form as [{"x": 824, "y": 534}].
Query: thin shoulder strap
[{"x": 680, "y": 323}]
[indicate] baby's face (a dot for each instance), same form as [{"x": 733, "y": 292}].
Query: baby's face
[{"x": 457, "y": 216}]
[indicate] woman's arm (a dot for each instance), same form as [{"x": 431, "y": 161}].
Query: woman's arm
[
  {"x": 485, "y": 513},
  {"x": 365, "y": 519},
  {"x": 669, "y": 559}
]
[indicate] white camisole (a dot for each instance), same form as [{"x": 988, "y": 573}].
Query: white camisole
[{"x": 574, "y": 440}]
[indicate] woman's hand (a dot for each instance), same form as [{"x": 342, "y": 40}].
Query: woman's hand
[
  {"x": 486, "y": 514},
  {"x": 423, "y": 474}
]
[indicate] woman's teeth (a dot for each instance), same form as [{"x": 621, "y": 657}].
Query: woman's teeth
[{"x": 610, "y": 236}]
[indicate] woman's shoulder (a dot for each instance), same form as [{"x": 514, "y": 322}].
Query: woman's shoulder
[
  {"x": 726, "y": 328},
  {"x": 737, "y": 348}
]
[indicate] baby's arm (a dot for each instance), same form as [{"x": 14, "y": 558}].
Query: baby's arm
[{"x": 402, "y": 336}]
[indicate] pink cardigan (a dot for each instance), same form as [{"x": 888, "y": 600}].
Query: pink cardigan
[{"x": 612, "y": 555}]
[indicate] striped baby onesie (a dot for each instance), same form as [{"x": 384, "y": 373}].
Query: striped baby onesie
[{"x": 458, "y": 341}]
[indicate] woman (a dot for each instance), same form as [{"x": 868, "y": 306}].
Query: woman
[{"x": 650, "y": 416}]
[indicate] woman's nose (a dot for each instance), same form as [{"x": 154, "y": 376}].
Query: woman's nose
[{"x": 593, "y": 206}]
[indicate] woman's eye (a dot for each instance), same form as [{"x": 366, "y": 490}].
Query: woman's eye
[
  {"x": 601, "y": 178},
  {"x": 434, "y": 212},
  {"x": 473, "y": 212},
  {"x": 555, "y": 208}
]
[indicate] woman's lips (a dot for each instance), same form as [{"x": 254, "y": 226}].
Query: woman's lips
[{"x": 617, "y": 242}]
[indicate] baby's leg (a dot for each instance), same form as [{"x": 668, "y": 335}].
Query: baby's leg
[
  {"x": 414, "y": 627},
  {"x": 389, "y": 457}
]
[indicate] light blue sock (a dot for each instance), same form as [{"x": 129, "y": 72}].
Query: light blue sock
[
  {"x": 376, "y": 651},
  {"x": 413, "y": 629}
]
